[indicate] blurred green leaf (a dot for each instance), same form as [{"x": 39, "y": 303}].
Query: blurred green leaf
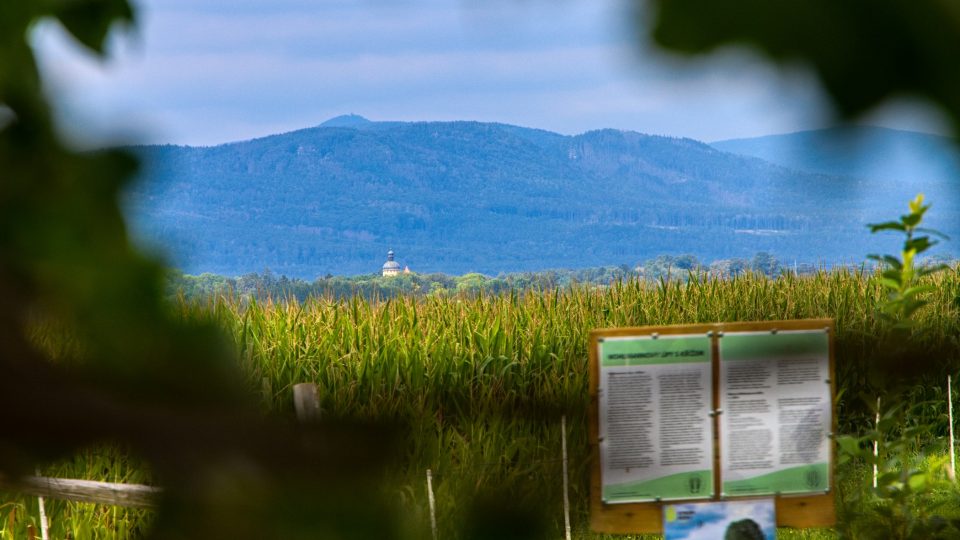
[
  {"x": 849, "y": 445},
  {"x": 916, "y": 206},
  {"x": 919, "y": 244},
  {"x": 888, "y": 226},
  {"x": 90, "y": 20},
  {"x": 864, "y": 52},
  {"x": 917, "y": 481},
  {"x": 933, "y": 232}
]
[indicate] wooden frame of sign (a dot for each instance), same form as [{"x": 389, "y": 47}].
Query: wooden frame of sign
[{"x": 647, "y": 517}]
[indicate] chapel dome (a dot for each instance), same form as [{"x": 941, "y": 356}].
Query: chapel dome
[{"x": 391, "y": 267}]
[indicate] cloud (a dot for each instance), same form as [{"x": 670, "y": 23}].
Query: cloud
[
  {"x": 264, "y": 64},
  {"x": 217, "y": 70}
]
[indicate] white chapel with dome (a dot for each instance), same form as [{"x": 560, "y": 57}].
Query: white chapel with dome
[{"x": 392, "y": 267}]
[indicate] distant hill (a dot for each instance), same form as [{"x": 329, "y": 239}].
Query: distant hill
[
  {"x": 347, "y": 121},
  {"x": 458, "y": 197}
]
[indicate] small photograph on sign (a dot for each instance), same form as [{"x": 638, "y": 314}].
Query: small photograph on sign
[{"x": 730, "y": 520}]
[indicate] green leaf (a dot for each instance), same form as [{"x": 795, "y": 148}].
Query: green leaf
[
  {"x": 919, "y": 244},
  {"x": 888, "y": 260},
  {"x": 916, "y": 205},
  {"x": 893, "y": 261},
  {"x": 911, "y": 307},
  {"x": 890, "y": 284},
  {"x": 911, "y": 220},
  {"x": 919, "y": 289},
  {"x": 893, "y": 275},
  {"x": 849, "y": 445},
  {"x": 888, "y": 226},
  {"x": 888, "y": 478},
  {"x": 917, "y": 481},
  {"x": 934, "y": 232},
  {"x": 90, "y": 20},
  {"x": 887, "y": 423}
]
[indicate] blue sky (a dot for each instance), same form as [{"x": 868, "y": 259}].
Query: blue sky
[{"x": 209, "y": 71}]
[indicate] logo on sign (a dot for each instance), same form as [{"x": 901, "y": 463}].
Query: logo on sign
[
  {"x": 813, "y": 478},
  {"x": 694, "y": 483}
]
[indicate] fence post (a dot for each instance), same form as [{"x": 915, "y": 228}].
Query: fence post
[
  {"x": 433, "y": 511},
  {"x": 44, "y": 534},
  {"x": 566, "y": 479},
  {"x": 953, "y": 463},
  {"x": 44, "y": 525},
  {"x": 306, "y": 401},
  {"x": 876, "y": 445}
]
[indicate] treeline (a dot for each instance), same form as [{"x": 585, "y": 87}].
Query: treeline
[
  {"x": 669, "y": 267},
  {"x": 261, "y": 285}
]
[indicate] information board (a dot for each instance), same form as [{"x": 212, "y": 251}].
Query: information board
[
  {"x": 656, "y": 434},
  {"x": 724, "y": 411},
  {"x": 776, "y": 412}
]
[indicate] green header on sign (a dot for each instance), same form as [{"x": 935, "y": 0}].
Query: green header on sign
[
  {"x": 761, "y": 346},
  {"x": 642, "y": 351}
]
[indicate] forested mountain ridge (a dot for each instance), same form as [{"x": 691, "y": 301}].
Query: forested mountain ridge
[{"x": 458, "y": 197}]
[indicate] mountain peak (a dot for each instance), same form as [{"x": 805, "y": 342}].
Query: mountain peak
[{"x": 346, "y": 120}]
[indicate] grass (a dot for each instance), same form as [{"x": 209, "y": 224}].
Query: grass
[{"x": 479, "y": 383}]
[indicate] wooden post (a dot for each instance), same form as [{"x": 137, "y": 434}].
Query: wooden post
[
  {"x": 306, "y": 401},
  {"x": 433, "y": 510},
  {"x": 953, "y": 464},
  {"x": 133, "y": 495},
  {"x": 566, "y": 480}
]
